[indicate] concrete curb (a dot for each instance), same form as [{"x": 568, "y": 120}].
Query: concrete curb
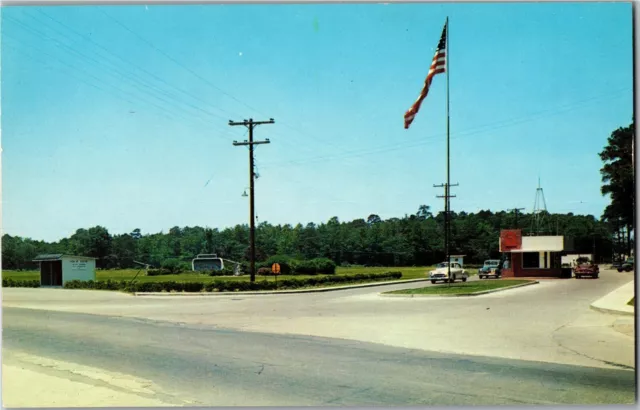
[
  {"x": 483, "y": 292},
  {"x": 279, "y": 292},
  {"x": 616, "y": 302}
]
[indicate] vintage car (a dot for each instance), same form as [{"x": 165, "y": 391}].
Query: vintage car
[
  {"x": 441, "y": 273},
  {"x": 586, "y": 269},
  {"x": 627, "y": 266},
  {"x": 490, "y": 268}
]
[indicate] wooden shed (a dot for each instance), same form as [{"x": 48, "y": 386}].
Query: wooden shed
[{"x": 58, "y": 269}]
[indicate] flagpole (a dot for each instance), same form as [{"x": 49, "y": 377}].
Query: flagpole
[{"x": 447, "y": 190}]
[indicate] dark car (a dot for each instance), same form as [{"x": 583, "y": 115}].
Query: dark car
[
  {"x": 627, "y": 266},
  {"x": 586, "y": 269}
]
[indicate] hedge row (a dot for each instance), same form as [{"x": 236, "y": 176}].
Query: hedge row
[
  {"x": 12, "y": 283},
  {"x": 227, "y": 271},
  {"x": 215, "y": 286},
  {"x": 291, "y": 266}
]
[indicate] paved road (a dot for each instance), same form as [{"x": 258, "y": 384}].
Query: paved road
[
  {"x": 549, "y": 322},
  {"x": 202, "y": 365}
]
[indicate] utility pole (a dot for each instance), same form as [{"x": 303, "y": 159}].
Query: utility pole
[
  {"x": 251, "y": 124},
  {"x": 447, "y": 222},
  {"x": 517, "y": 210}
]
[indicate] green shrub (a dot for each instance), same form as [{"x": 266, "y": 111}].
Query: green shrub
[
  {"x": 174, "y": 266},
  {"x": 303, "y": 267},
  {"x": 284, "y": 261},
  {"x": 264, "y": 271},
  {"x": 12, "y": 283},
  {"x": 324, "y": 265}
]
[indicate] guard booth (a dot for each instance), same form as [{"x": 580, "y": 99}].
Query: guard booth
[
  {"x": 457, "y": 259},
  {"x": 58, "y": 269},
  {"x": 532, "y": 256}
]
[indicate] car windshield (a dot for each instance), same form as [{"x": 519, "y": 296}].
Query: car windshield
[
  {"x": 442, "y": 265},
  {"x": 492, "y": 263}
]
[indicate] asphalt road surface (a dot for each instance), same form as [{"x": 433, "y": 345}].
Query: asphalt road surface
[{"x": 199, "y": 364}]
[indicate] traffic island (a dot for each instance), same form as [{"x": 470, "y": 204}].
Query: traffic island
[
  {"x": 474, "y": 288},
  {"x": 617, "y": 302}
]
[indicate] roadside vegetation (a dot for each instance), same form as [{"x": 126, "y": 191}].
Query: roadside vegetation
[
  {"x": 413, "y": 272},
  {"x": 465, "y": 288},
  {"x": 217, "y": 284}
]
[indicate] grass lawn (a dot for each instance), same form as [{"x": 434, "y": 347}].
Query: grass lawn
[
  {"x": 632, "y": 301},
  {"x": 411, "y": 272},
  {"x": 461, "y": 288}
]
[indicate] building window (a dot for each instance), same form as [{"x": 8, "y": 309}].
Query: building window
[{"x": 531, "y": 260}]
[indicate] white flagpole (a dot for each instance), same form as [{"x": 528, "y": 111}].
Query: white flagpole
[{"x": 447, "y": 189}]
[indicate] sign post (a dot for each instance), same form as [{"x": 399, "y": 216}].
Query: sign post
[{"x": 275, "y": 269}]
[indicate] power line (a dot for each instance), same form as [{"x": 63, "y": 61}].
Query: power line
[
  {"x": 168, "y": 113},
  {"x": 471, "y": 131},
  {"x": 163, "y": 109},
  {"x": 166, "y": 55},
  {"x": 148, "y": 73},
  {"x": 136, "y": 80},
  {"x": 176, "y": 62}
]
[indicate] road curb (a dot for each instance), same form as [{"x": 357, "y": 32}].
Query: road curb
[
  {"x": 280, "y": 292},
  {"x": 482, "y": 292},
  {"x": 616, "y": 302}
]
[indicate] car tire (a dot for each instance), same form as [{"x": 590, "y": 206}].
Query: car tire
[
  {"x": 619, "y": 269},
  {"x": 464, "y": 279},
  {"x": 433, "y": 282}
]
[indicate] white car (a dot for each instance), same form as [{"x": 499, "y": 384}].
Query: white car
[{"x": 441, "y": 273}]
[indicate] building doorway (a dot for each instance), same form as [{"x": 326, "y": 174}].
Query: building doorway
[{"x": 51, "y": 273}]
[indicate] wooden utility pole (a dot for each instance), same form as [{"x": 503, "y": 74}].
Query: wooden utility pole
[
  {"x": 517, "y": 211},
  {"x": 447, "y": 222},
  {"x": 251, "y": 124}
]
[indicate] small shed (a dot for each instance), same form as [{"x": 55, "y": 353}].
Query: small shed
[
  {"x": 457, "y": 259},
  {"x": 58, "y": 269}
]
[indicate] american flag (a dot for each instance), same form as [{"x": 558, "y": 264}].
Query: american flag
[{"x": 438, "y": 65}]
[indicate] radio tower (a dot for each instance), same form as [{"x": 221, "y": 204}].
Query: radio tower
[{"x": 539, "y": 223}]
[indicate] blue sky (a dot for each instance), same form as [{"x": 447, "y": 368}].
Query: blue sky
[{"x": 117, "y": 116}]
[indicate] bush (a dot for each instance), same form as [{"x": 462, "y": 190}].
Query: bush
[
  {"x": 156, "y": 272},
  {"x": 173, "y": 266},
  {"x": 12, "y": 283},
  {"x": 325, "y": 265},
  {"x": 314, "y": 266},
  {"x": 284, "y": 261},
  {"x": 264, "y": 271},
  {"x": 303, "y": 267}
]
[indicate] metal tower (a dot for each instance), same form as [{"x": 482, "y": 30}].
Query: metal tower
[{"x": 539, "y": 222}]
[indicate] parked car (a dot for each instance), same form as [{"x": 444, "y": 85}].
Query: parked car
[
  {"x": 441, "y": 273},
  {"x": 627, "y": 266},
  {"x": 586, "y": 269},
  {"x": 490, "y": 268}
]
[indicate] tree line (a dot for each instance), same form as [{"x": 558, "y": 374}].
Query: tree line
[{"x": 416, "y": 239}]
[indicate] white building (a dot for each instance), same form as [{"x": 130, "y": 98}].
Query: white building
[{"x": 58, "y": 269}]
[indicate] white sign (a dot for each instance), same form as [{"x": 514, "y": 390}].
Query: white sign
[{"x": 78, "y": 265}]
